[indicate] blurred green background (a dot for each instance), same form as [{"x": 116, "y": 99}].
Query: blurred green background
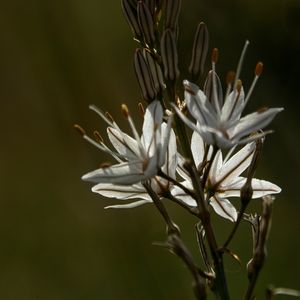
[{"x": 56, "y": 57}]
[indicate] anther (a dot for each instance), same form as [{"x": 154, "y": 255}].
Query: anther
[
  {"x": 79, "y": 129},
  {"x": 125, "y": 111},
  {"x": 239, "y": 85},
  {"x": 215, "y": 55},
  {"x": 105, "y": 165},
  {"x": 230, "y": 77},
  {"x": 141, "y": 109},
  {"x": 262, "y": 109},
  {"x": 259, "y": 68},
  {"x": 109, "y": 117},
  {"x": 98, "y": 137}
]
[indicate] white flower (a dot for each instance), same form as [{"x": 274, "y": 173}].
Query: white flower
[
  {"x": 139, "y": 158},
  {"x": 220, "y": 122},
  {"x": 137, "y": 191},
  {"x": 224, "y": 179}
]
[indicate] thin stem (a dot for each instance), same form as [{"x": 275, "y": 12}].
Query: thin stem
[
  {"x": 234, "y": 229},
  {"x": 220, "y": 289},
  {"x": 175, "y": 243}
]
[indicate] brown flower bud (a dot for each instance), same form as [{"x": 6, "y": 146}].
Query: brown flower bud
[
  {"x": 130, "y": 13},
  {"x": 144, "y": 76},
  {"x": 200, "y": 49},
  {"x": 172, "y": 9},
  {"x": 146, "y": 23},
  {"x": 169, "y": 55}
]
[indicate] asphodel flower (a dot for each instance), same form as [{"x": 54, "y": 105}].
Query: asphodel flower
[
  {"x": 224, "y": 179},
  {"x": 219, "y": 121},
  {"x": 139, "y": 157}
]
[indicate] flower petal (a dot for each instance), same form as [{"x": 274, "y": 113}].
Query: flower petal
[
  {"x": 235, "y": 165},
  {"x": 152, "y": 120},
  {"x": 122, "y": 192},
  {"x": 129, "y": 205},
  {"x": 123, "y": 143},
  {"x": 255, "y": 121},
  {"x": 198, "y": 148},
  {"x": 260, "y": 188},
  {"x": 224, "y": 208},
  {"x": 123, "y": 173}
]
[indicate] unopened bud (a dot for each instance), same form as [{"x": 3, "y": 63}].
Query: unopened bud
[
  {"x": 151, "y": 6},
  {"x": 172, "y": 9},
  {"x": 130, "y": 13},
  {"x": 169, "y": 55},
  {"x": 143, "y": 76},
  {"x": 200, "y": 49},
  {"x": 155, "y": 71},
  {"x": 146, "y": 23}
]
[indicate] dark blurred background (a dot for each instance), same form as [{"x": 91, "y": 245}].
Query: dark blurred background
[{"x": 56, "y": 58}]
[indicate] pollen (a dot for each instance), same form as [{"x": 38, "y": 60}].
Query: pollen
[
  {"x": 79, "y": 129},
  {"x": 125, "y": 111},
  {"x": 215, "y": 55},
  {"x": 259, "y": 68},
  {"x": 230, "y": 77},
  {"x": 98, "y": 137}
]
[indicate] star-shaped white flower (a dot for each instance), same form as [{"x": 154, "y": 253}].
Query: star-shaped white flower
[
  {"x": 137, "y": 191},
  {"x": 224, "y": 179},
  {"x": 219, "y": 121},
  {"x": 139, "y": 158}
]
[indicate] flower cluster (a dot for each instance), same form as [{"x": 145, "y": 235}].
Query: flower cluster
[{"x": 196, "y": 148}]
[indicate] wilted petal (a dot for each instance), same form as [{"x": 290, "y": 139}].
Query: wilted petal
[
  {"x": 255, "y": 121},
  {"x": 224, "y": 208}
]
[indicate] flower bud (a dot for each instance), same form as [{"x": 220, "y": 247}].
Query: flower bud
[
  {"x": 200, "y": 49},
  {"x": 146, "y": 23},
  {"x": 172, "y": 9},
  {"x": 143, "y": 76},
  {"x": 169, "y": 55},
  {"x": 130, "y": 13},
  {"x": 155, "y": 72}
]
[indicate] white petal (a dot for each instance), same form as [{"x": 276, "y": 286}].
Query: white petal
[
  {"x": 233, "y": 106},
  {"x": 123, "y": 173},
  {"x": 198, "y": 105},
  {"x": 254, "y": 122},
  {"x": 129, "y": 205},
  {"x": 198, "y": 148},
  {"x": 122, "y": 192},
  {"x": 152, "y": 120},
  {"x": 170, "y": 165},
  {"x": 167, "y": 145},
  {"x": 224, "y": 208},
  {"x": 178, "y": 193},
  {"x": 235, "y": 165},
  {"x": 216, "y": 167},
  {"x": 260, "y": 188},
  {"x": 123, "y": 143}
]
